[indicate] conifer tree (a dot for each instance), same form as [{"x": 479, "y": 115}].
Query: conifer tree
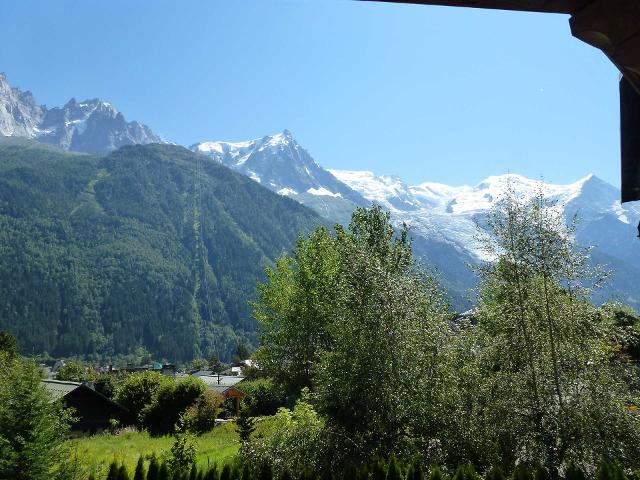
[
  {"x": 495, "y": 473},
  {"x": 265, "y": 472},
  {"x": 436, "y": 474},
  {"x": 574, "y": 473},
  {"x": 246, "y": 472},
  {"x": 521, "y": 472},
  {"x": 139, "y": 473},
  {"x": 152, "y": 472},
  {"x": 393, "y": 469},
  {"x": 113, "y": 471},
  {"x": 245, "y": 425},
  {"x": 285, "y": 474},
  {"x": 541, "y": 473},
  {"x": 122, "y": 473},
  {"x": 379, "y": 471},
  {"x": 226, "y": 472},
  {"x": 163, "y": 472}
]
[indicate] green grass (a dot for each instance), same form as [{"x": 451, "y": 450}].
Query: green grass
[{"x": 95, "y": 453}]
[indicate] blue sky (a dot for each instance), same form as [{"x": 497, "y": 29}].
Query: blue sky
[{"x": 425, "y": 93}]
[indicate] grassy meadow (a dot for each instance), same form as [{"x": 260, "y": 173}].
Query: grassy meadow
[{"x": 96, "y": 452}]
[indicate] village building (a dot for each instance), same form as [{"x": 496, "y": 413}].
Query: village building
[{"x": 93, "y": 411}]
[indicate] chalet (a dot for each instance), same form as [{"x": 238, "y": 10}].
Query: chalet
[
  {"x": 225, "y": 385},
  {"x": 92, "y": 410}
]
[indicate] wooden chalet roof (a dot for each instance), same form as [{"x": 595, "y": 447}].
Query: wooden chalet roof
[{"x": 59, "y": 389}]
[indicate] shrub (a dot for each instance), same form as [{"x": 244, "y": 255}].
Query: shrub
[
  {"x": 264, "y": 397},
  {"x": 138, "y": 390},
  {"x": 170, "y": 401},
  {"x": 201, "y": 416}
]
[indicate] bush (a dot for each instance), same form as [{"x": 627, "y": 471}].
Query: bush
[
  {"x": 298, "y": 443},
  {"x": 264, "y": 397},
  {"x": 170, "y": 401},
  {"x": 201, "y": 416},
  {"x": 138, "y": 390}
]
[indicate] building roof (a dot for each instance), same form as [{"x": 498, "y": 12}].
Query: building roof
[
  {"x": 219, "y": 380},
  {"x": 59, "y": 388},
  {"x": 227, "y": 390}
]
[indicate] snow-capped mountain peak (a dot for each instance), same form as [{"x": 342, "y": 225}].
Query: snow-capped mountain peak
[{"x": 278, "y": 162}]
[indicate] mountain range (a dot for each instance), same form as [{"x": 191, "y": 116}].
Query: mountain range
[
  {"x": 136, "y": 242},
  {"x": 444, "y": 219},
  {"x": 91, "y": 126}
]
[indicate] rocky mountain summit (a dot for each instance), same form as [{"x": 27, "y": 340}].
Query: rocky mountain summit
[{"x": 91, "y": 126}]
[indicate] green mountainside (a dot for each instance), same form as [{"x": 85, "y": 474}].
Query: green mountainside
[{"x": 151, "y": 246}]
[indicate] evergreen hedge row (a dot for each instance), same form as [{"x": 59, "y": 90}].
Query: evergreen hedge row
[{"x": 377, "y": 470}]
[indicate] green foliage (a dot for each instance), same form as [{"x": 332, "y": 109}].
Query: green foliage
[
  {"x": 264, "y": 396},
  {"x": 170, "y": 401},
  {"x": 113, "y": 471},
  {"x": 122, "y": 473},
  {"x": 201, "y": 416},
  {"x": 163, "y": 473},
  {"x": 547, "y": 351},
  {"x": 139, "y": 473},
  {"x": 8, "y": 344},
  {"x": 496, "y": 473},
  {"x": 138, "y": 390},
  {"x": 149, "y": 246},
  {"x": 245, "y": 425},
  {"x": 225, "y": 474},
  {"x": 297, "y": 441},
  {"x": 353, "y": 317},
  {"x": 393, "y": 469},
  {"x": 573, "y": 472},
  {"x": 154, "y": 469},
  {"x": 73, "y": 371},
  {"x": 32, "y": 428},
  {"x": 436, "y": 474},
  {"x": 415, "y": 471},
  {"x": 183, "y": 453},
  {"x": 265, "y": 472}
]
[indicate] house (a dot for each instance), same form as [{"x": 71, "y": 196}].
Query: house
[
  {"x": 232, "y": 393},
  {"x": 225, "y": 385},
  {"x": 92, "y": 410}
]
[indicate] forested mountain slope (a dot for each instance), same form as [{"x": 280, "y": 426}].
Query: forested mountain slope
[{"x": 150, "y": 246}]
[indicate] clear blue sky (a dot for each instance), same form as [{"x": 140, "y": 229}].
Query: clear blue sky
[{"x": 426, "y": 93}]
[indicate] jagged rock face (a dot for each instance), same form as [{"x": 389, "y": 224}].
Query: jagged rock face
[
  {"x": 279, "y": 163},
  {"x": 91, "y": 126},
  {"x": 19, "y": 113}
]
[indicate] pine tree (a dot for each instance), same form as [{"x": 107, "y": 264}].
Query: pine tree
[
  {"x": 460, "y": 473},
  {"x": 246, "y": 472},
  {"x": 152, "y": 472},
  {"x": 212, "y": 474},
  {"x": 122, "y": 473},
  {"x": 139, "y": 473},
  {"x": 245, "y": 425},
  {"x": 415, "y": 471},
  {"x": 574, "y": 473},
  {"x": 379, "y": 471},
  {"x": 163, "y": 472},
  {"x": 285, "y": 474},
  {"x": 265, "y": 473},
  {"x": 495, "y": 473},
  {"x": 393, "y": 470},
  {"x": 521, "y": 472},
  {"x": 541, "y": 474},
  {"x": 226, "y": 472},
  {"x": 113, "y": 471},
  {"x": 436, "y": 474}
]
